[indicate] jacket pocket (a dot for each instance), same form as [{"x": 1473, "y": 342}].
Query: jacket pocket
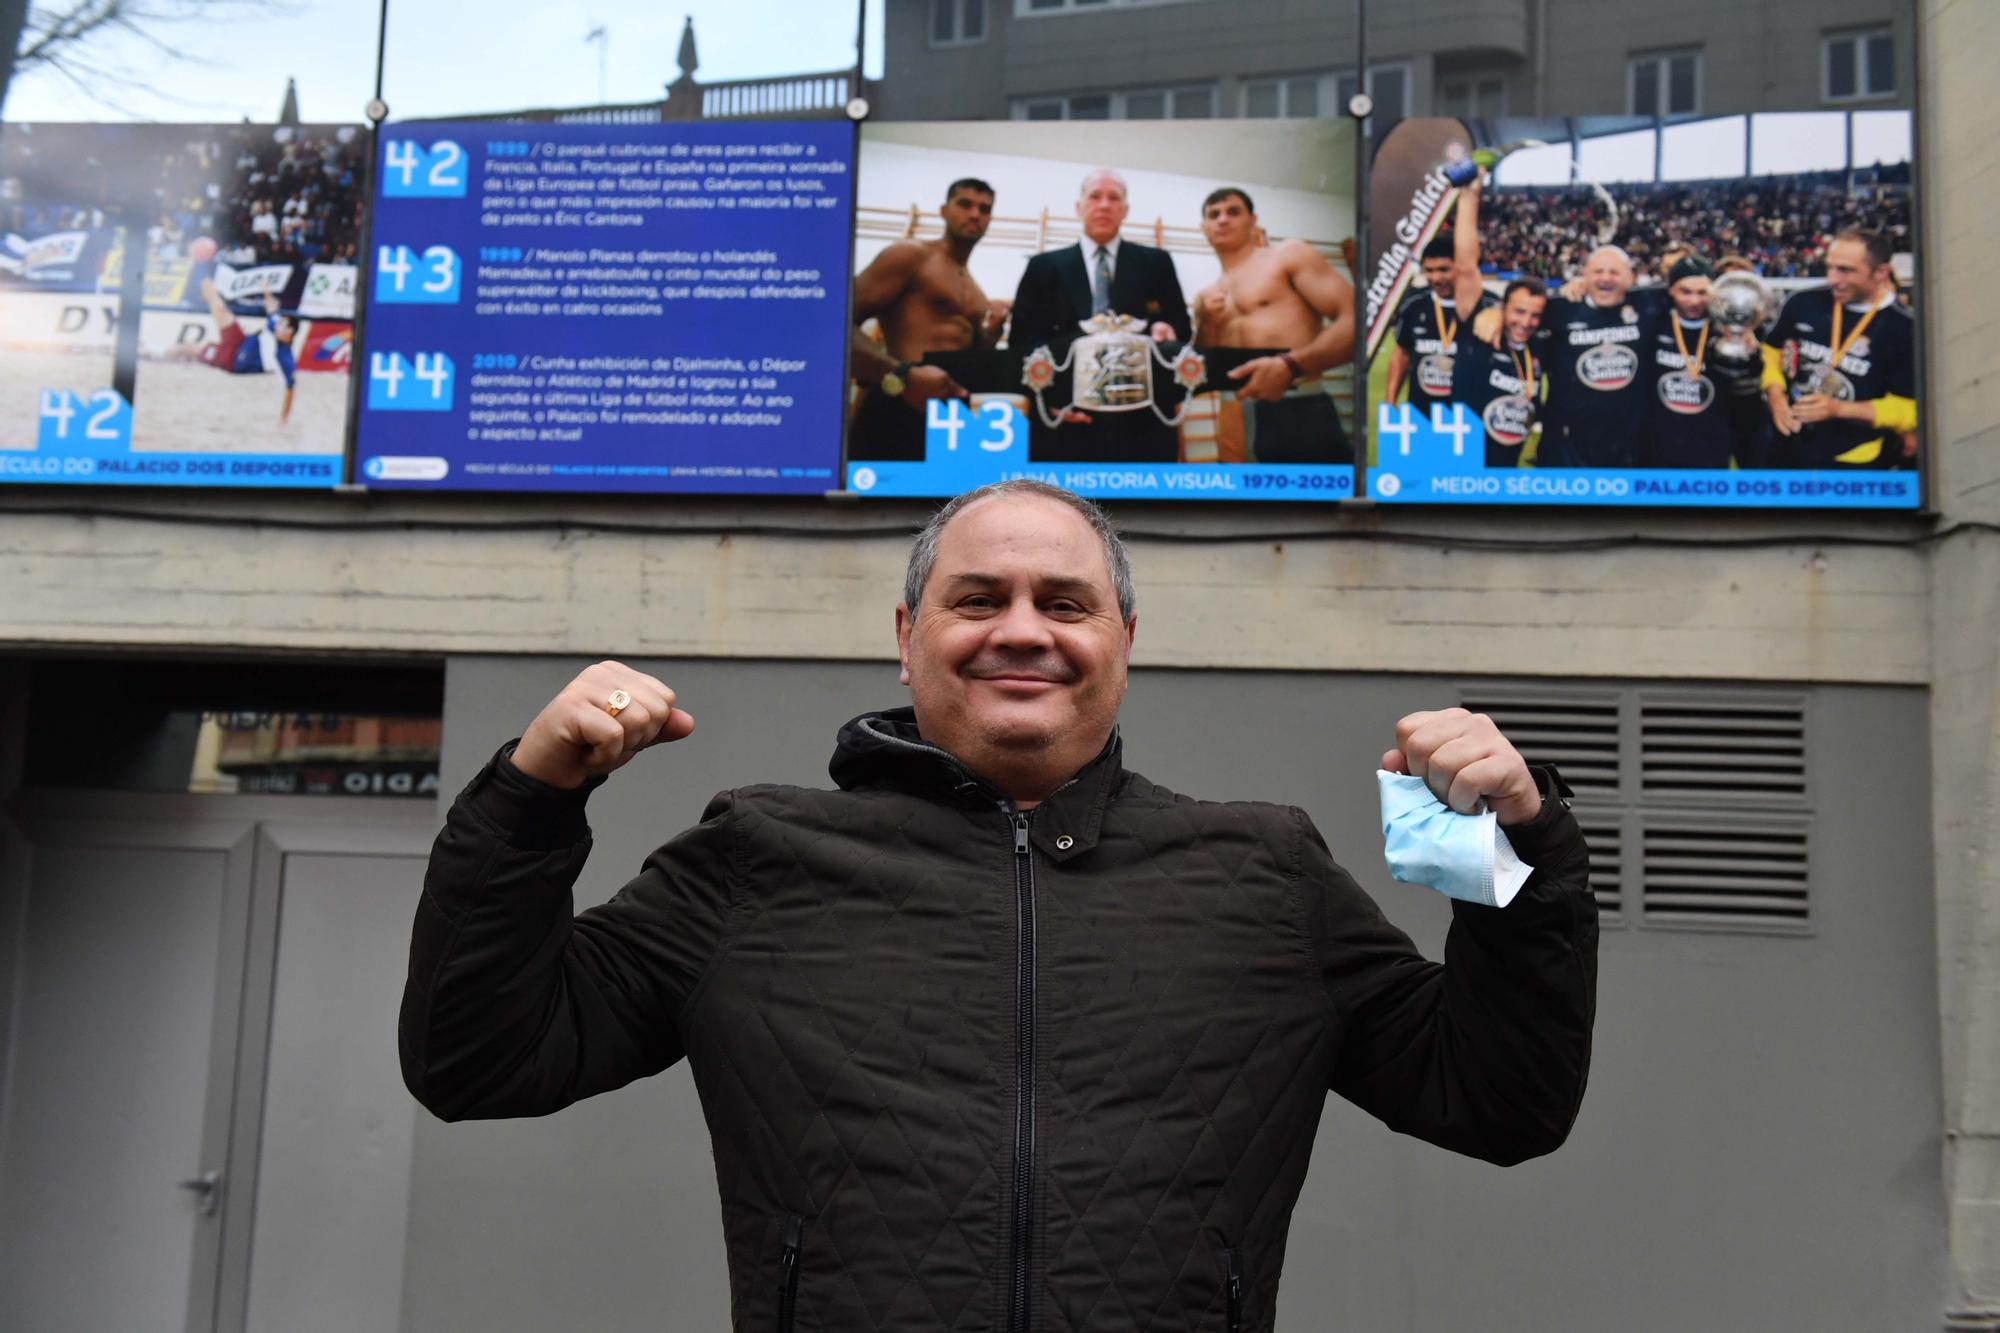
[
  {"x": 1232, "y": 1290},
  {"x": 788, "y": 1273}
]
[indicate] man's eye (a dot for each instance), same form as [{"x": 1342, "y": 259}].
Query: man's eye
[{"x": 1064, "y": 608}]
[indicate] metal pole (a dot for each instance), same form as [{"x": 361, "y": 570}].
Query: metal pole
[
  {"x": 1363, "y": 160},
  {"x": 860, "y": 49}
]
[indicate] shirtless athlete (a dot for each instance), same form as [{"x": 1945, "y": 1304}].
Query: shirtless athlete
[
  {"x": 926, "y": 301},
  {"x": 1283, "y": 296}
]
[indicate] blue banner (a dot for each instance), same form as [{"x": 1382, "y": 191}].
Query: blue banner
[
  {"x": 1440, "y": 459},
  {"x": 608, "y": 308},
  {"x": 969, "y": 445}
]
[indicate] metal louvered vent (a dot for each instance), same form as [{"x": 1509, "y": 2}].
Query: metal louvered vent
[
  {"x": 1734, "y": 874},
  {"x": 1604, "y": 832},
  {"x": 1723, "y": 749},
  {"x": 1576, "y": 730}
]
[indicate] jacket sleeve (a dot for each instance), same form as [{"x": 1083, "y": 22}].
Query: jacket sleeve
[
  {"x": 516, "y": 1007},
  {"x": 1173, "y": 299},
  {"x": 1486, "y": 1054},
  {"x": 1037, "y": 319}
]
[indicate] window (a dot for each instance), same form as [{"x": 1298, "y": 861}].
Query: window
[
  {"x": 1389, "y": 85},
  {"x": 1696, "y": 802},
  {"x": 1473, "y": 95},
  {"x": 1196, "y": 103},
  {"x": 1860, "y": 65},
  {"x": 1294, "y": 98},
  {"x": 957, "y": 22},
  {"x": 1667, "y": 84}
]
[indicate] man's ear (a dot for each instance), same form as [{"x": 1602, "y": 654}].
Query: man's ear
[
  {"x": 1131, "y": 628},
  {"x": 903, "y": 624}
]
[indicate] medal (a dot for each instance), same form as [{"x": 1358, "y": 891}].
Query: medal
[
  {"x": 1827, "y": 379},
  {"x": 1524, "y": 368},
  {"x": 1447, "y": 332},
  {"x": 1692, "y": 364}
]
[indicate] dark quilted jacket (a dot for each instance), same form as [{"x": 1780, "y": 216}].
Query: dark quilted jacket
[{"x": 972, "y": 1070}]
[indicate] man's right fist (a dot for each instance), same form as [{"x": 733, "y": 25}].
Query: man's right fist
[{"x": 576, "y": 738}]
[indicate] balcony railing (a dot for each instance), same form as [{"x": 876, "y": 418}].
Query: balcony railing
[{"x": 822, "y": 96}]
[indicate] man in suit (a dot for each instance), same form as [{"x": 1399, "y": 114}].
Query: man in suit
[{"x": 1101, "y": 273}]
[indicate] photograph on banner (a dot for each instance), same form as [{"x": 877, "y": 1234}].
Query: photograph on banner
[
  {"x": 177, "y": 302},
  {"x": 619, "y": 307},
  {"x": 1716, "y": 311},
  {"x": 1148, "y": 311}
]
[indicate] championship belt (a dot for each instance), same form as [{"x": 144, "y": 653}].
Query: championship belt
[{"x": 1113, "y": 363}]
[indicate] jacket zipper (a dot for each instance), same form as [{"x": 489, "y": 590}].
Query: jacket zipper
[
  {"x": 1024, "y": 1067},
  {"x": 1233, "y": 1267},
  {"x": 788, "y": 1273}
]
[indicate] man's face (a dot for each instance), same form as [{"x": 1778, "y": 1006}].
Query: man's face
[
  {"x": 1607, "y": 276},
  {"x": 1690, "y": 297},
  {"x": 1523, "y": 316},
  {"x": 1227, "y": 223},
  {"x": 967, "y": 215},
  {"x": 1017, "y": 644},
  {"x": 1850, "y": 274},
  {"x": 1441, "y": 274},
  {"x": 1102, "y": 208}
]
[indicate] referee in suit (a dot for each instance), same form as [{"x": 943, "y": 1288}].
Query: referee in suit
[{"x": 1102, "y": 272}]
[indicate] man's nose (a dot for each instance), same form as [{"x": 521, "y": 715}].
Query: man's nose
[{"x": 1022, "y": 623}]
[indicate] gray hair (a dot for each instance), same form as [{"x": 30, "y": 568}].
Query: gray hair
[
  {"x": 924, "y": 551},
  {"x": 1107, "y": 174}
]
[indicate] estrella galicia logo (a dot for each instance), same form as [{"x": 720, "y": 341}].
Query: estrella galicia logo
[{"x": 1608, "y": 367}]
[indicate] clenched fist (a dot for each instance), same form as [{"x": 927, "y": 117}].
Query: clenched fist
[
  {"x": 1463, "y": 759},
  {"x": 576, "y": 738}
]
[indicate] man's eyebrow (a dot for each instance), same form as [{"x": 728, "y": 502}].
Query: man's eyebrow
[{"x": 1064, "y": 584}]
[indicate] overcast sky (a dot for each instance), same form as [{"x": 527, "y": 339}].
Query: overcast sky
[{"x": 444, "y": 56}]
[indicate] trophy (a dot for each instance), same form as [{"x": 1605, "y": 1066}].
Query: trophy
[
  {"x": 1741, "y": 304},
  {"x": 1114, "y": 362}
]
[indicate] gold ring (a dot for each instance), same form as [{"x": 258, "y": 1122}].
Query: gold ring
[{"x": 617, "y": 703}]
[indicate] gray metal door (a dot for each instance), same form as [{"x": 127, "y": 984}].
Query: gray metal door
[{"x": 201, "y": 1124}]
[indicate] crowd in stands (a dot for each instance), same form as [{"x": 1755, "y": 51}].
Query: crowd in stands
[
  {"x": 1780, "y": 223},
  {"x": 293, "y": 195}
]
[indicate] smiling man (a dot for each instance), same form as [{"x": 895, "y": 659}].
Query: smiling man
[{"x": 998, "y": 1034}]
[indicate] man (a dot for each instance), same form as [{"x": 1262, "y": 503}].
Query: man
[
  {"x": 998, "y": 1034},
  {"x": 1596, "y": 412},
  {"x": 1499, "y": 381},
  {"x": 1101, "y": 274},
  {"x": 1284, "y": 296},
  {"x": 1687, "y": 416},
  {"x": 240, "y": 351},
  {"x": 1840, "y": 366},
  {"x": 1427, "y": 328},
  {"x": 926, "y": 299}
]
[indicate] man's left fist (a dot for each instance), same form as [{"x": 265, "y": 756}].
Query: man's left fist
[{"x": 1463, "y": 759}]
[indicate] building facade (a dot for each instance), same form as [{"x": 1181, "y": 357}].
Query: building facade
[
  {"x": 1166, "y": 59},
  {"x": 1784, "y": 730}
]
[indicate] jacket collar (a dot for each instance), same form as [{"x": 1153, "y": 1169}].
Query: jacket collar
[{"x": 885, "y": 750}]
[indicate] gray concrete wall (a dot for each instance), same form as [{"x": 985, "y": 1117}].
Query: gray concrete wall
[
  {"x": 1758, "y": 1148},
  {"x": 1964, "y": 360}
]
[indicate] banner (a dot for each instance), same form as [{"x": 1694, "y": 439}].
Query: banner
[
  {"x": 643, "y": 307},
  {"x": 157, "y": 302},
  {"x": 1709, "y": 313},
  {"x": 1158, "y": 311}
]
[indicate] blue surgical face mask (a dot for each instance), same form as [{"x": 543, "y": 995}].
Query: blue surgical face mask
[{"x": 1427, "y": 842}]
